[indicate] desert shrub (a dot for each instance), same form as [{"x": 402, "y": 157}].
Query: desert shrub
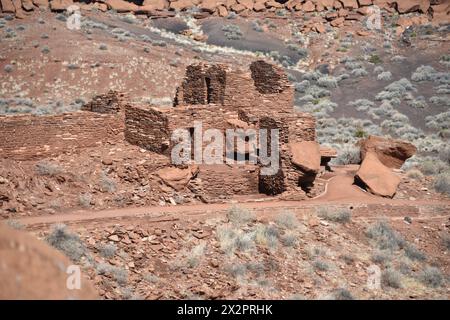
[
  {"x": 442, "y": 183},
  {"x": 384, "y": 76},
  {"x": 418, "y": 103},
  {"x": 107, "y": 250},
  {"x": 440, "y": 101},
  {"x": 362, "y": 104},
  {"x": 445, "y": 60},
  {"x": 329, "y": 82},
  {"x": 232, "y": 15},
  {"x": 159, "y": 43},
  {"x": 72, "y": 66},
  {"x": 61, "y": 17},
  {"x": 413, "y": 253},
  {"x": 84, "y": 199},
  {"x": 414, "y": 174},
  {"x": 446, "y": 241},
  {"x": 195, "y": 255},
  {"x": 381, "y": 256},
  {"x": 151, "y": 278},
  {"x": 266, "y": 235},
  {"x": 289, "y": 239},
  {"x": 342, "y": 294},
  {"x": 129, "y": 18},
  {"x": 256, "y": 26},
  {"x": 8, "y": 68},
  {"x": 106, "y": 183},
  {"x": 301, "y": 51},
  {"x": 384, "y": 236},
  {"x": 340, "y": 215},
  {"x": 45, "y": 50},
  {"x": 302, "y": 86},
  {"x": 321, "y": 265},
  {"x": 232, "y": 32},
  {"x": 103, "y": 46},
  {"x": 424, "y": 73},
  {"x": 431, "y": 277},
  {"x": 244, "y": 241},
  {"x": 287, "y": 220},
  {"x": 349, "y": 154},
  {"x": 375, "y": 59},
  {"x": 45, "y": 168},
  {"x": 69, "y": 243},
  {"x": 398, "y": 59},
  {"x": 391, "y": 278},
  {"x": 347, "y": 258},
  {"x": 359, "y": 72},
  {"x": 236, "y": 270},
  {"x": 432, "y": 167},
  {"x": 378, "y": 69},
  {"x": 444, "y": 154},
  {"x": 15, "y": 224},
  {"x": 119, "y": 275},
  {"x": 238, "y": 215}
]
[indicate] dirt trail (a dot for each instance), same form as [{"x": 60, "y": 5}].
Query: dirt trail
[{"x": 339, "y": 191}]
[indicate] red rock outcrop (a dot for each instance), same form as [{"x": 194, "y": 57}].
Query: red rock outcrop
[
  {"x": 30, "y": 269},
  {"x": 376, "y": 178},
  {"x": 392, "y": 153}
]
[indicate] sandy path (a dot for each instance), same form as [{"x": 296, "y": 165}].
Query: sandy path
[{"x": 339, "y": 191}]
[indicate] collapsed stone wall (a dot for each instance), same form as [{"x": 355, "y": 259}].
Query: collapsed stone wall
[
  {"x": 26, "y": 137},
  {"x": 111, "y": 102}
]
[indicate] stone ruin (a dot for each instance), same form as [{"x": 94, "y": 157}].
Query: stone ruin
[{"x": 219, "y": 96}]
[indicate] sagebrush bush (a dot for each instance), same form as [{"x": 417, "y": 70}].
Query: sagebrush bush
[
  {"x": 342, "y": 294},
  {"x": 335, "y": 215},
  {"x": 69, "y": 243},
  {"x": 384, "y": 76},
  {"x": 384, "y": 236},
  {"x": 238, "y": 215},
  {"x": 391, "y": 278},
  {"x": 45, "y": 168},
  {"x": 348, "y": 154},
  {"x": 106, "y": 183},
  {"x": 287, "y": 220},
  {"x": 413, "y": 253},
  {"x": 321, "y": 265},
  {"x": 414, "y": 174},
  {"x": 8, "y": 68},
  {"x": 232, "y": 32},
  {"x": 442, "y": 183},
  {"x": 431, "y": 277},
  {"x": 107, "y": 250}
]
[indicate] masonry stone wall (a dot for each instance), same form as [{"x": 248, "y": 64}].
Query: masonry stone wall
[
  {"x": 147, "y": 128},
  {"x": 25, "y": 137},
  {"x": 223, "y": 181}
]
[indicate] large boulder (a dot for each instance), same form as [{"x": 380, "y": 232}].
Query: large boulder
[
  {"x": 177, "y": 178},
  {"x": 376, "y": 178},
  {"x": 392, "y": 153},
  {"x": 155, "y": 4},
  {"x": 60, "y": 5},
  {"x": 30, "y": 269},
  {"x": 121, "y": 5},
  {"x": 7, "y": 6},
  {"x": 406, "y": 6},
  {"x": 306, "y": 156}
]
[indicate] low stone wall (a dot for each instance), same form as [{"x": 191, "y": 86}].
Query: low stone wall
[
  {"x": 25, "y": 137},
  {"x": 223, "y": 181}
]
